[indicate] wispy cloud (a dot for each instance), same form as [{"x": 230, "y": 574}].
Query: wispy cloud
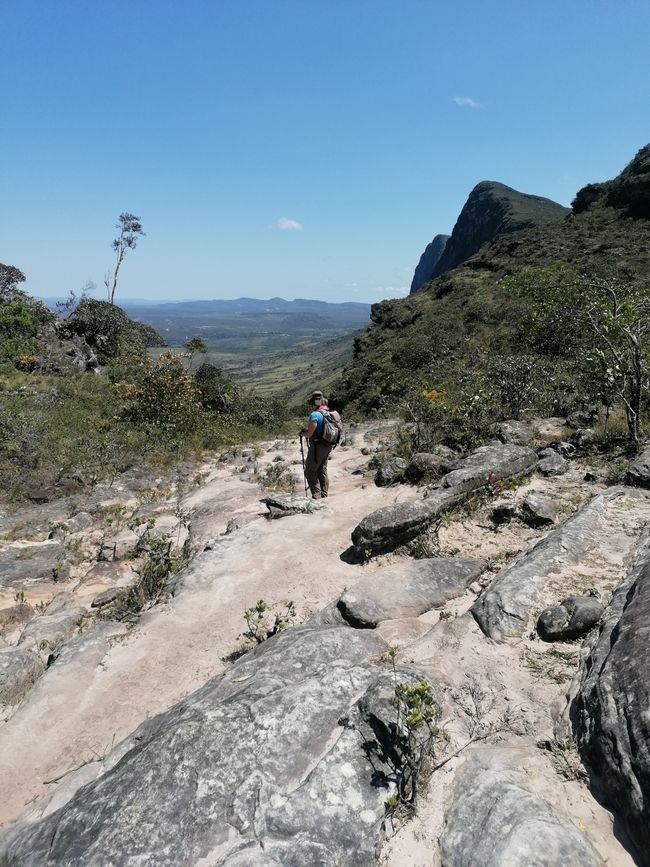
[
  {"x": 466, "y": 102},
  {"x": 287, "y": 225}
]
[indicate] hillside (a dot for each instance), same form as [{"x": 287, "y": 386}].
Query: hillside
[
  {"x": 428, "y": 260},
  {"x": 449, "y": 327}
]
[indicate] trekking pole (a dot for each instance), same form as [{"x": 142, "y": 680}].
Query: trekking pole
[{"x": 304, "y": 471}]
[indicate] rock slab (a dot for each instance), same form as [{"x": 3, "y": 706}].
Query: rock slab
[
  {"x": 609, "y": 713},
  {"x": 503, "y": 610},
  {"x": 266, "y": 764},
  {"x": 387, "y": 528},
  {"x": 495, "y": 820},
  {"x": 407, "y": 589}
]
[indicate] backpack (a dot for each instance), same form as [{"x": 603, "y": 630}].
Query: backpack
[{"x": 332, "y": 427}]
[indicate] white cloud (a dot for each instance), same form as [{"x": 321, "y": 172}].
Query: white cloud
[
  {"x": 287, "y": 225},
  {"x": 466, "y": 102}
]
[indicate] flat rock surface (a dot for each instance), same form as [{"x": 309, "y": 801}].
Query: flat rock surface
[
  {"x": 494, "y": 819},
  {"x": 407, "y": 589},
  {"x": 293, "y": 779},
  {"x": 504, "y": 609}
]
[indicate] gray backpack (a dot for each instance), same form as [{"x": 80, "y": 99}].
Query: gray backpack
[{"x": 332, "y": 428}]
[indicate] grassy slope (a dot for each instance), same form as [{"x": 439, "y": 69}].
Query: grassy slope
[{"x": 466, "y": 310}]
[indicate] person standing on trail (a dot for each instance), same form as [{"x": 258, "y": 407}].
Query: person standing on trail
[{"x": 319, "y": 450}]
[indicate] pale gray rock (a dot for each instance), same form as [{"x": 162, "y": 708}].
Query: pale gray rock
[
  {"x": 19, "y": 668},
  {"x": 505, "y": 607},
  {"x": 572, "y": 618},
  {"x": 493, "y": 819},
  {"x": 80, "y": 521},
  {"x": 536, "y": 510},
  {"x": 488, "y": 464},
  {"x": 46, "y": 634},
  {"x": 407, "y": 589},
  {"x": 266, "y": 764},
  {"x": 552, "y": 463},
  {"x": 15, "y": 615},
  {"x": 61, "y": 602},
  {"x": 106, "y": 597},
  {"x": 25, "y": 565},
  {"x": 609, "y": 713},
  {"x": 639, "y": 470},
  {"x": 393, "y": 525},
  {"x": 431, "y": 465}
]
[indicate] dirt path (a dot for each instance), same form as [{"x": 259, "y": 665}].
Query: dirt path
[{"x": 75, "y": 712}]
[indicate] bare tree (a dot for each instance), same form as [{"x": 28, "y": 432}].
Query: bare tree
[{"x": 130, "y": 227}]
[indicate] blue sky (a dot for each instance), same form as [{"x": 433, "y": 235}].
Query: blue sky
[{"x": 301, "y": 148}]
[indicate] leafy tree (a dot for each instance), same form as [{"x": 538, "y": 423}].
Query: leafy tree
[
  {"x": 218, "y": 393},
  {"x": 130, "y": 227},
  {"x": 195, "y": 345},
  {"x": 10, "y": 277},
  {"x": 604, "y": 322}
]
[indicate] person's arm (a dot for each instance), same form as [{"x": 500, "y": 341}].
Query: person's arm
[{"x": 308, "y": 431}]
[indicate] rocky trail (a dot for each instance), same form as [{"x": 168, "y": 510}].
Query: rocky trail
[{"x": 156, "y": 742}]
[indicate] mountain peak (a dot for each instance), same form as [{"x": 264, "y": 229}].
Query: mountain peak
[{"x": 493, "y": 209}]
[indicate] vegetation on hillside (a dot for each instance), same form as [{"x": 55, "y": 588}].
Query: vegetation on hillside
[
  {"x": 82, "y": 400},
  {"x": 466, "y": 350}
]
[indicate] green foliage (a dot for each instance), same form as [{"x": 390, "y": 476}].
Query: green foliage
[
  {"x": 414, "y": 733},
  {"x": 22, "y": 320},
  {"x": 166, "y": 397},
  {"x": 110, "y": 332},
  {"x": 263, "y": 621},
  {"x": 158, "y": 561}
]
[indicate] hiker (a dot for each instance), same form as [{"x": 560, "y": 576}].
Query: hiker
[{"x": 319, "y": 449}]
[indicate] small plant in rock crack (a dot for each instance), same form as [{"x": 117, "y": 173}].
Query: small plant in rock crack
[
  {"x": 264, "y": 620},
  {"x": 414, "y": 735},
  {"x": 158, "y": 561}
]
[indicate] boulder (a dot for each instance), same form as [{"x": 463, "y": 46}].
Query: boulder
[
  {"x": 639, "y": 470},
  {"x": 265, "y": 764},
  {"x": 493, "y": 818},
  {"x": 572, "y": 618},
  {"x": 15, "y": 615},
  {"x": 391, "y": 472},
  {"x": 505, "y": 607},
  {"x": 407, "y": 589},
  {"x": 80, "y": 521},
  {"x": 536, "y": 510},
  {"x": 488, "y": 464},
  {"x": 431, "y": 465},
  {"x": 46, "y": 634},
  {"x": 584, "y": 438},
  {"x": 19, "y": 668},
  {"x": 609, "y": 712},
  {"x": 393, "y": 525},
  {"x": 26, "y": 565},
  {"x": 551, "y": 463}
]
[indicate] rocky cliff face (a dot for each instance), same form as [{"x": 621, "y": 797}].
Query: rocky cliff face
[
  {"x": 493, "y": 209},
  {"x": 428, "y": 261},
  {"x": 629, "y": 192}
]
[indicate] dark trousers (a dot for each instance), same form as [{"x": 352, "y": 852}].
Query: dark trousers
[{"x": 316, "y": 469}]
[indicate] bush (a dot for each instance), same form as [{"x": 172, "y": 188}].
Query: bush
[{"x": 166, "y": 397}]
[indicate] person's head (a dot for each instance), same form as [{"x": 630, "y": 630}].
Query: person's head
[{"x": 316, "y": 398}]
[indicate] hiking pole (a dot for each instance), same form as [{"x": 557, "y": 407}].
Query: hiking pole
[{"x": 304, "y": 471}]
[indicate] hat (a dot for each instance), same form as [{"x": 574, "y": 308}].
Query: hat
[{"x": 316, "y": 394}]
